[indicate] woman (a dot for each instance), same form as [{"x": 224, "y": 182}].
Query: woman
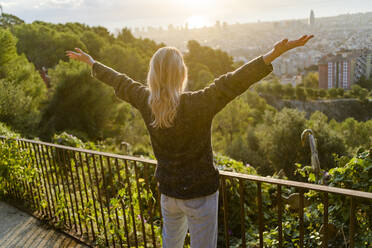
[{"x": 179, "y": 124}]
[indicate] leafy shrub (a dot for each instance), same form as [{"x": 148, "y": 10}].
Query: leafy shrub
[
  {"x": 355, "y": 173},
  {"x": 6, "y": 131},
  {"x": 16, "y": 168},
  {"x": 300, "y": 93}
]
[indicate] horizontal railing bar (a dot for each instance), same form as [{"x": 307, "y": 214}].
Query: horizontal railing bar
[
  {"x": 112, "y": 155},
  {"x": 288, "y": 183}
]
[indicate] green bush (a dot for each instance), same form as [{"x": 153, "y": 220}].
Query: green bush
[
  {"x": 300, "y": 93},
  {"x": 355, "y": 173},
  {"x": 7, "y": 132},
  {"x": 16, "y": 168},
  {"x": 22, "y": 91}
]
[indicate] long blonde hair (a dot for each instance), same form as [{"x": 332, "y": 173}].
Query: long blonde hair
[{"x": 167, "y": 79}]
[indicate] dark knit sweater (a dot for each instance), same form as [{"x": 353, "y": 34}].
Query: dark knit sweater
[{"x": 185, "y": 167}]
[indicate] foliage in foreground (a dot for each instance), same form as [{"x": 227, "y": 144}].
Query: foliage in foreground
[{"x": 113, "y": 185}]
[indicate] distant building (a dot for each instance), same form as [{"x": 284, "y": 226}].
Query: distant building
[
  {"x": 312, "y": 19},
  {"x": 338, "y": 71},
  {"x": 363, "y": 65}
]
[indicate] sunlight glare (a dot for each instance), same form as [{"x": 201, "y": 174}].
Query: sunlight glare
[{"x": 197, "y": 21}]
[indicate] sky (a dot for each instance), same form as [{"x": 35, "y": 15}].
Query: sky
[{"x": 115, "y": 14}]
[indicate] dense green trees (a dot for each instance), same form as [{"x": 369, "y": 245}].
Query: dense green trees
[
  {"x": 8, "y": 20},
  {"x": 205, "y": 64},
  {"x": 248, "y": 129},
  {"x": 43, "y": 45},
  {"x": 22, "y": 91}
]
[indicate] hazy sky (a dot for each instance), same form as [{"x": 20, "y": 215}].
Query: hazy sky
[{"x": 138, "y": 13}]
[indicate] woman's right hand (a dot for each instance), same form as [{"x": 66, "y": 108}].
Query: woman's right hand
[
  {"x": 283, "y": 46},
  {"x": 80, "y": 56}
]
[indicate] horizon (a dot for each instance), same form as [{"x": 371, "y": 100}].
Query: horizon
[{"x": 196, "y": 15}]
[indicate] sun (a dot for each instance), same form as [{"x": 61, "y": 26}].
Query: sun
[{"x": 197, "y": 21}]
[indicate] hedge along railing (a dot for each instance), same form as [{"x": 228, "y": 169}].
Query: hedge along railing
[{"x": 112, "y": 200}]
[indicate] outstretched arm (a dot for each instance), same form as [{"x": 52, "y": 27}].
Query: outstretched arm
[
  {"x": 285, "y": 45},
  {"x": 230, "y": 85},
  {"x": 125, "y": 88}
]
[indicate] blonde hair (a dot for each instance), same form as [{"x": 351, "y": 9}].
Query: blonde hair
[{"x": 167, "y": 79}]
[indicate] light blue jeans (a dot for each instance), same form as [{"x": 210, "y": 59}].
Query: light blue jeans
[{"x": 199, "y": 215}]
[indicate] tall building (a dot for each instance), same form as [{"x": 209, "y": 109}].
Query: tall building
[
  {"x": 312, "y": 19},
  {"x": 337, "y": 71},
  {"x": 364, "y": 65}
]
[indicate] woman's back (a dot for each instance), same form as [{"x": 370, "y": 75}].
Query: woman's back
[{"x": 184, "y": 152}]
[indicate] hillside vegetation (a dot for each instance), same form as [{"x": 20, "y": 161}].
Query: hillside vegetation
[{"x": 248, "y": 129}]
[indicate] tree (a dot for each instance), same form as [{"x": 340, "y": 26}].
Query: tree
[
  {"x": 195, "y": 79},
  {"x": 93, "y": 43},
  {"x": 279, "y": 139},
  {"x": 125, "y": 59},
  {"x": 329, "y": 141},
  {"x": 363, "y": 94},
  {"x": 322, "y": 93},
  {"x": 9, "y": 20},
  {"x": 125, "y": 35},
  {"x": 311, "y": 93},
  {"x": 8, "y": 49},
  {"x": 332, "y": 92},
  {"x": 289, "y": 91},
  {"x": 365, "y": 83},
  {"x": 300, "y": 93},
  {"x": 217, "y": 61},
  {"x": 311, "y": 80},
  {"x": 43, "y": 45},
  {"x": 355, "y": 134},
  {"x": 340, "y": 92},
  {"x": 277, "y": 89},
  {"x": 22, "y": 90}
]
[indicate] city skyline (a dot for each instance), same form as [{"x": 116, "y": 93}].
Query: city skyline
[{"x": 141, "y": 13}]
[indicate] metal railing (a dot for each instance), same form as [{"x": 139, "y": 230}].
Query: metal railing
[{"x": 112, "y": 200}]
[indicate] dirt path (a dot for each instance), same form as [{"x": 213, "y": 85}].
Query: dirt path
[{"x": 18, "y": 229}]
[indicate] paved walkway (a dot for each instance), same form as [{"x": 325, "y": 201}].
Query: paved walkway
[{"x": 18, "y": 229}]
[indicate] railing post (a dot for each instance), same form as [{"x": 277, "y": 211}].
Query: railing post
[
  {"x": 260, "y": 217},
  {"x": 352, "y": 222},
  {"x": 225, "y": 213},
  {"x": 280, "y": 212},
  {"x": 301, "y": 209},
  {"x": 325, "y": 221},
  {"x": 242, "y": 212}
]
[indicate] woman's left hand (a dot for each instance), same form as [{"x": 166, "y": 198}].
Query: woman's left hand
[{"x": 80, "y": 56}]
